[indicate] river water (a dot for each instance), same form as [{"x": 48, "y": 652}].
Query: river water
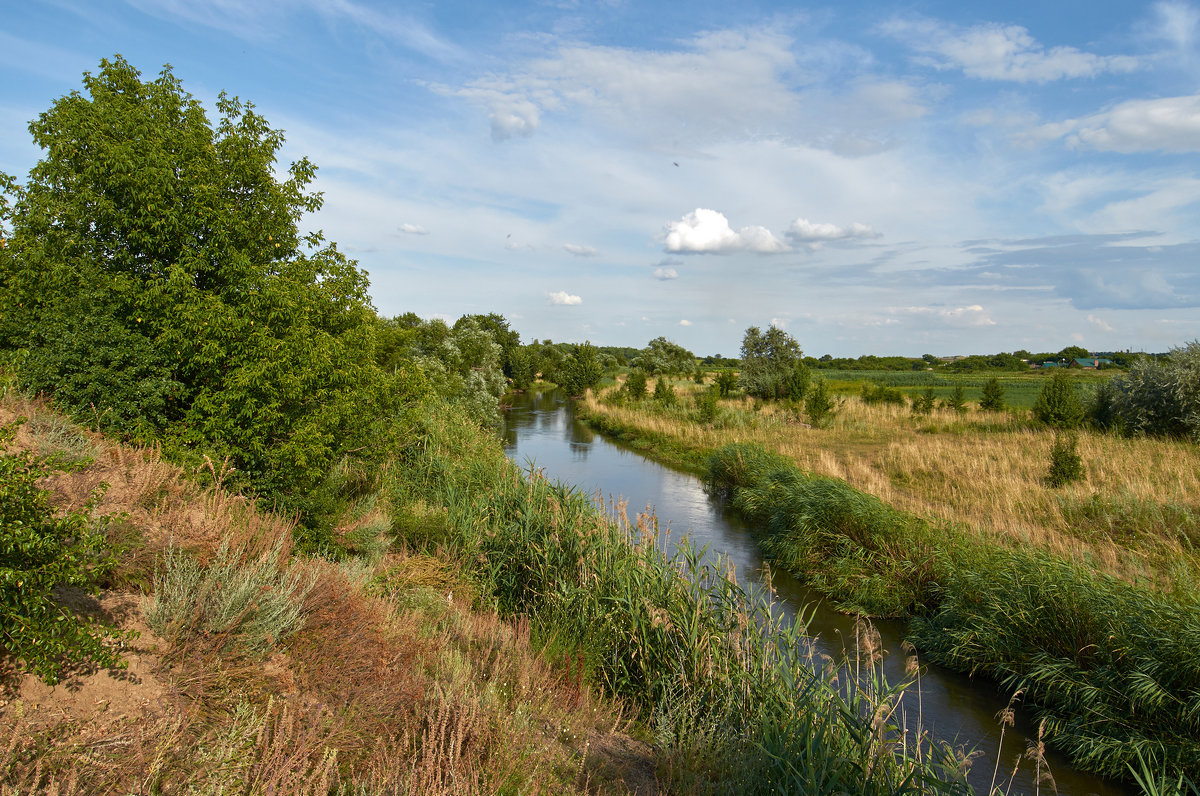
[{"x": 540, "y": 430}]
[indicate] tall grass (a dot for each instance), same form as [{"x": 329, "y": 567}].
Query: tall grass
[
  {"x": 1109, "y": 666},
  {"x": 724, "y": 681}
]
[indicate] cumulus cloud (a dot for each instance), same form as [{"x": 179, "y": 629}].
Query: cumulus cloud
[
  {"x": 579, "y": 250},
  {"x": 685, "y": 322},
  {"x": 1169, "y": 124},
  {"x": 665, "y": 274},
  {"x": 1100, "y": 324},
  {"x": 816, "y": 234},
  {"x": 564, "y": 298},
  {"x": 1000, "y": 52},
  {"x": 413, "y": 229},
  {"x": 708, "y": 232}
]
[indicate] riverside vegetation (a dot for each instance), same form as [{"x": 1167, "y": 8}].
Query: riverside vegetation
[
  {"x": 1080, "y": 597},
  {"x": 286, "y": 517}
]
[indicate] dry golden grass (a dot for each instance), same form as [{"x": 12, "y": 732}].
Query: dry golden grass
[{"x": 985, "y": 470}]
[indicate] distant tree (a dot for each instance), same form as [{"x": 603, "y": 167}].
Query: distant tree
[
  {"x": 464, "y": 369},
  {"x": 1057, "y": 404},
  {"x": 580, "y": 370},
  {"x": 993, "y": 396},
  {"x": 772, "y": 365},
  {"x": 497, "y": 326},
  {"x": 522, "y": 367},
  {"x": 1072, "y": 352},
  {"x": 663, "y": 356},
  {"x": 707, "y": 402}
]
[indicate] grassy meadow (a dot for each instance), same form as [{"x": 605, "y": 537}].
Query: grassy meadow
[{"x": 1083, "y": 598}]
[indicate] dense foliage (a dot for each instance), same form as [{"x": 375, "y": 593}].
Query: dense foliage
[
  {"x": 661, "y": 356},
  {"x": 1058, "y": 404},
  {"x": 1160, "y": 397},
  {"x": 772, "y": 365},
  {"x": 41, "y": 551},
  {"x": 155, "y": 278}
]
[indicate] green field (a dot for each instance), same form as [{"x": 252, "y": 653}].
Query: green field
[{"x": 1020, "y": 389}]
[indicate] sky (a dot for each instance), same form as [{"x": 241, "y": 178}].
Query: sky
[{"x": 874, "y": 178}]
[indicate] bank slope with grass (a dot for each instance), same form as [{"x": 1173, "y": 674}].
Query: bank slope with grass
[{"x": 249, "y": 668}]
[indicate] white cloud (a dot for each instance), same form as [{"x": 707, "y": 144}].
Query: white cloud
[
  {"x": 1000, "y": 52},
  {"x": 814, "y": 234},
  {"x": 708, "y": 232},
  {"x": 1170, "y": 124},
  {"x": 665, "y": 274},
  {"x": 564, "y": 298},
  {"x": 715, "y": 83},
  {"x": 579, "y": 250},
  {"x": 685, "y": 322},
  {"x": 1100, "y": 324},
  {"x": 512, "y": 118},
  {"x": 973, "y": 315},
  {"x": 780, "y": 323},
  {"x": 413, "y": 229},
  {"x": 1177, "y": 23}
]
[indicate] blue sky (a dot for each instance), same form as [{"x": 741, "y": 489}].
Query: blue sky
[{"x": 883, "y": 178}]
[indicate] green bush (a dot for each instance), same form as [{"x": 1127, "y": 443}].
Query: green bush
[
  {"x": 39, "y": 553},
  {"x": 1065, "y": 463},
  {"x": 1057, "y": 404},
  {"x": 819, "y": 405},
  {"x": 664, "y": 393},
  {"x": 993, "y": 396}
]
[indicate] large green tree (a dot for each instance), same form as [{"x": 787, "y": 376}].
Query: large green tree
[
  {"x": 772, "y": 364},
  {"x": 156, "y": 275}
]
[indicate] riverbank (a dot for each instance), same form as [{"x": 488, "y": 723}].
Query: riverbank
[{"x": 1103, "y": 659}]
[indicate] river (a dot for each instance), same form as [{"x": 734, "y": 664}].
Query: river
[{"x": 540, "y": 430}]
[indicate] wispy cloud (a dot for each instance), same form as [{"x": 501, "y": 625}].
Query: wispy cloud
[
  {"x": 814, "y": 235},
  {"x": 1168, "y": 124},
  {"x": 665, "y": 274},
  {"x": 413, "y": 229},
  {"x": 999, "y": 52},
  {"x": 580, "y": 250}
]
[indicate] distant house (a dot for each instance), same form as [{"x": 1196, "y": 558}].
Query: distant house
[{"x": 1091, "y": 363}]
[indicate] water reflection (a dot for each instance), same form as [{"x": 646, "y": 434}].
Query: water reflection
[{"x": 540, "y": 428}]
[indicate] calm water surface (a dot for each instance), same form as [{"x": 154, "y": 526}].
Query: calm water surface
[{"x": 541, "y": 430}]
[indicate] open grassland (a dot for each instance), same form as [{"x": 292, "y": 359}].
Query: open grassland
[
  {"x": 1083, "y": 599},
  {"x": 1135, "y": 513}
]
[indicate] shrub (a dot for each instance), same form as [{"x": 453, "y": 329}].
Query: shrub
[
  {"x": 40, "y": 552},
  {"x": 706, "y": 404},
  {"x": 231, "y": 603},
  {"x": 664, "y": 393},
  {"x": 819, "y": 405},
  {"x": 1065, "y": 463},
  {"x": 923, "y": 404},
  {"x": 881, "y": 394},
  {"x": 1057, "y": 404},
  {"x": 958, "y": 399},
  {"x": 993, "y": 396},
  {"x": 727, "y": 382},
  {"x": 635, "y": 384}
]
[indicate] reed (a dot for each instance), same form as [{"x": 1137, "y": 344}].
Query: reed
[{"x": 723, "y": 681}]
